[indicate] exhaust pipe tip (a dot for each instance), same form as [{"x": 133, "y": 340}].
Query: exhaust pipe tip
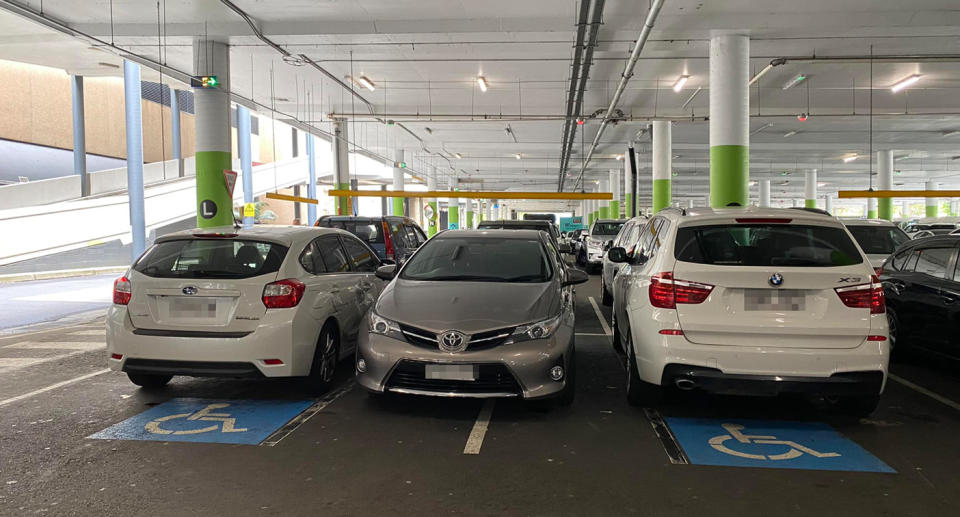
[{"x": 685, "y": 384}]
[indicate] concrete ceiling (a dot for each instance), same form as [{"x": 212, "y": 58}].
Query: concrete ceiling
[{"x": 424, "y": 57}]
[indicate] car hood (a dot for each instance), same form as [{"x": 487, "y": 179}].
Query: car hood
[{"x": 469, "y": 307}]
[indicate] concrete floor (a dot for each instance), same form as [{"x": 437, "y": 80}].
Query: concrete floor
[{"x": 362, "y": 457}]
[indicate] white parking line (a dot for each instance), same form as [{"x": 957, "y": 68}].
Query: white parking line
[
  {"x": 590, "y": 334},
  {"x": 307, "y": 414},
  {"x": 925, "y": 391},
  {"x": 53, "y": 387},
  {"x": 603, "y": 323},
  {"x": 475, "y": 441},
  {"x": 58, "y": 345},
  {"x": 93, "y": 332}
]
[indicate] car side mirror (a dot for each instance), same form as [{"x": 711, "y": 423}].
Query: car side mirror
[
  {"x": 575, "y": 277},
  {"x": 565, "y": 248},
  {"x": 617, "y": 254},
  {"x": 387, "y": 272}
]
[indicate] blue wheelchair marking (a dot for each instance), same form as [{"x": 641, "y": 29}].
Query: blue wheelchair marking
[
  {"x": 204, "y": 420},
  {"x": 770, "y": 444}
]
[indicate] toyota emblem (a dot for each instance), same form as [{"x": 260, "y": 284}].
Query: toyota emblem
[
  {"x": 452, "y": 341},
  {"x": 190, "y": 290},
  {"x": 776, "y": 279}
]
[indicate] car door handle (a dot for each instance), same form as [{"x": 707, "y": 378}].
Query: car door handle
[{"x": 948, "y": 299}]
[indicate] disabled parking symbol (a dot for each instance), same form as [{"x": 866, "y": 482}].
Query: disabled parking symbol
[
  {"x": 770, "y": 444},
  {"x": 211, "y": 421}
]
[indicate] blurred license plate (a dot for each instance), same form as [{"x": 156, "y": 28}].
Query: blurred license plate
[
  {"x": 774, "y": 300},
  {"x": 452, "y": 372},
  {"x": 193, "y": 308}
]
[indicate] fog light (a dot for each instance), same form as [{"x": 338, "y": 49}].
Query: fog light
[
  {"x": 361, "y": 365},
  {"x": 556, "y": 373}
]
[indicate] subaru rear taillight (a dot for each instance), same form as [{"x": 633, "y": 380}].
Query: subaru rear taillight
[
  {"x": 283, "y": 294},
  {"x": 390, "y": 252},
  {"x": 864, "y": 296},
  {"x": 666, "y": 292},
  {"x": 121, "y": 291}
]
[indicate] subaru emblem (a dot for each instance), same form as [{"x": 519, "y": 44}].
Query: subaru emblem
[
  {"x": 776, "y": 279},
  {"x": 452, "y": 341},
  {"x": 190, "y": 290}
]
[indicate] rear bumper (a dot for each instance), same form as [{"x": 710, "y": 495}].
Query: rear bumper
[
  {"x": 715, "y": 381},
  {"x": 192, "y": 368}
]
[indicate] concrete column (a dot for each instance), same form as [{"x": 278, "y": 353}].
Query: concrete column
[
  {"x": 397, "y": 181},
  {"x": 453, "y": 207},
  {"x": 630, "y": 185},
  {"x": 604, "y": 209},
  {"x": 79, "y": 134},
  {"x": 615, "y": 183},
  {"x": 765, "y": 193},
  {"x": 134, "y": 133},
  {"x": 434, "y": 213},
  {"x": 871, "y": 208},
  {"x": 341, "y": 164},
  {"x": 904, "y": 209},
  {"x": 175, "y": 130},
  {"x": 212, "y": 108},
  {"x": 810, "y": 189},
  {"x": 933, "y": 209},
  {"x": 729, "y": 119},
  {"x": 885, "y": 182},
  {"x": 828, "y": 203},
  {"x": 662, "y": 164},
  {"x": 689, "y": 203},
  {"x": 470, "y": 213},
  {"x": 954, "y": 206},
  {"x": 246, "y": 160},
  {"x": 311, "y": 178}
]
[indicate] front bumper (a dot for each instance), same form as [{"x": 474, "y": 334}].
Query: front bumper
[
  {"x": 595, "y": 257},
  {"x": 514, "y": 370}
]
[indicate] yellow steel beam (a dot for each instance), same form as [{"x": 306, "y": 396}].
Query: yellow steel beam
[
  {"x": 472, "y": 194},
  {"x": 295, "y": 199},
  {"x": 855, "y": 194}
]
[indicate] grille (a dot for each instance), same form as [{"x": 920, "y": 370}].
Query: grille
[
  {"x": 491, "y": 378},
  {"x": 419, "y": 337},
  {"x": 481, "y": 341}
]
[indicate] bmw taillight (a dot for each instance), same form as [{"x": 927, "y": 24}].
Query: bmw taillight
[
  {"x": 121, "y": 291},
  {"x": 390, "y": 252},
  {"x": 864, "y": 296},
  {"x": 666, "y": 291},
  {"x": 283, "y": 294}
]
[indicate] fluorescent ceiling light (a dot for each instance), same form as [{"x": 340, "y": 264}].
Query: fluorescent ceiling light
[
  {"x": 760, "y": 74},
  {"x": 458, "y": 155},
  {"x": 903, "y": 83},
  {"x": 951, "y": 133},
  {"x": 790, "y": 133},
  {"x": 677, "y": 86},
  {"x": 518, "y": 156},
  {"x": 821, "y": 183},
  {"x": 849, "y": 159},
  {"x": 482, "y": 81},
  {"x": 619, "y": 157},
  {"x": 797, "y": 79},
  {"x": 366, "y": 83},
  {"x": 761, "y": 128}
]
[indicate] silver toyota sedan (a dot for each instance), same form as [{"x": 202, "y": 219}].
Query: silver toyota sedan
[{"x": 474, "y": 314}]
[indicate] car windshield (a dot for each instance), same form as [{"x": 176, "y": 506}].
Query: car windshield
[
  {"x": 878, "y": 240},
  {"x": 211, "y": 258},
  {"x": 606, "y": 228},
  {"x": 368, "y": 231},
  {"x": 766, "y": 245},
  {"x": 477, "y": 259}
]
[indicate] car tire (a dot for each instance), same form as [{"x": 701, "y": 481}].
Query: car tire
[
  {"x": 605, "y": 297},
  {"x": 582, "y": 259},
  {"x": 893, "y": 324},
  {"x": 323, "y": 369},
  {"x": 617, "y": 339},
  {"x": 569, "y": 392},
  {"x": 639, "y": 392},
  {"x": 146, "y": 380}
]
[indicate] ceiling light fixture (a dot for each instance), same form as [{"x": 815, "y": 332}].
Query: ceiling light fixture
[
  {"x": 619, "y": 157},
  {"x": 518, "y": 156},
  {"x": 797, "y": 79},
  {"x": 482, "y": 81},
  {"x": 761, "y": 128},
  {"x": 682, "y": 80},
  {"x": 951, "y": 133},
  {"x": 788, "y": 134},
  {"x": 849, "y": 159},
  {"x": 458, "y": 155},
  {"x": 760, "y": 74},
  {"x": 903, "y": 83},
  {"x": 366, "y": 83}
]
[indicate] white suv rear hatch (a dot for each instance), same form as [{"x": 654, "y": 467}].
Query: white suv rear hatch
[
  {"x": 203, "y": 284},
  {"x": 774, "y": 284}
]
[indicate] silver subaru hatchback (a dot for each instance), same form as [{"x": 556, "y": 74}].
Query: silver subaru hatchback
[{"x": 474, "y": 314}]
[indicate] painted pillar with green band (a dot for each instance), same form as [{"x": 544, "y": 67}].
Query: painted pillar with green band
[
  {"x": 810, "y": 189},
  {"x": 615, "y": 184},
  {"x": 871, "y": 208},
  {"x": 398, "y": 182},
  {"x": 933, "y": 203},
  {"x": 885, "y": 182},
  {"x": 433, "y": 214},
  {"x": 662, "y": 165},
  {"x": 341, "y": 165},
  {"x": 603, "y": 212},
  {"x": 212, "y": 140},
  {"x": 629, "y": 183},
  {"x": 729, "y": 119},
  {"x": 453, "y": 208}
]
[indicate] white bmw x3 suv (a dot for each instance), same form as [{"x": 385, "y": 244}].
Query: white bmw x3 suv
[
  {"x": 269, "y": 301},
  {"x": 750, "y": 301}
]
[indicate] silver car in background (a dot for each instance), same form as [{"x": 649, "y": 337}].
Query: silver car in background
[
  {"x": 474, "y": 314},
  {"x": 602, "y": 232},
  {"x": 878, "y": 238},
  {"x": 627, "y": 238}
]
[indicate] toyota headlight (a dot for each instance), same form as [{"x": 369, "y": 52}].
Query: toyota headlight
[
  {"x": 377, "y": 324},
  {"x": 539, "y": 330}
]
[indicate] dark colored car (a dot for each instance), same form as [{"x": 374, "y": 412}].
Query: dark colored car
[
  {"x": 543, "y": 226},
  {"x": 391, "y": 237},
  {"x": 922, "y": 286}
]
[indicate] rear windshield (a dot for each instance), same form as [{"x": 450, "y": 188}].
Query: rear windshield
[
  {"x": 606, "y": 228},
  {"x": 473, "y": 259},
  {"x": 211, "y": 258},
  {"x": 370, "y": 232},
  {"x": 495, "y": 226},
  {"x": 878, "y": 240},
  {"x": 766, "y": 245}
]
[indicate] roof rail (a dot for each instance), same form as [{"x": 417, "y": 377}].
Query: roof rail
[
  {"x": 812, "y": 210},
  {"x": 683, "y": 211}
]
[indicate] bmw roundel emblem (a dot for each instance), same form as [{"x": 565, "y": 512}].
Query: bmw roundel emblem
[{"x": 776, "y": 279}]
